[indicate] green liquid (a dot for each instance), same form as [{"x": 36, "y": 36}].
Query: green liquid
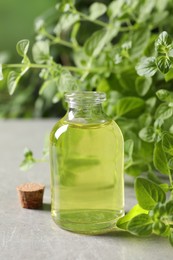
[{"x": 87, "y": 176}]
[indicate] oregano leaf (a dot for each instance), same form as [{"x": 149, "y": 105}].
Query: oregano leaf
[
  {"x": 160, "y": 160},
  {"x": 147, "y": 134},
  {"x": 165, "y": 95},
  {"x": 122, "y": 223},
  {"x": 147, "y": 67},
  {"x": 148, "y": 193},
  {"x": 162, "y": 42},
  {"x": 143, "y": 85},
  {"x": 167, "y": 143},
  {"x": 40, "y": 52},
  {"x": 164, "y": 112},
  {"x": 163, "y": 64},
  {"x": 140, "y": 225},
  {"x": 128, "y": 104},
  {"x": 22, "y": 47},
  {"x": 65, "y": 22},
  {"x": 96, "y": 10},
  {"x": 12, "y": 81},
  {"x": 95, "y": 43}
]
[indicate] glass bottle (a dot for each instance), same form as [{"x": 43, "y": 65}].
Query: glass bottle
[{"x": 86, "y": 158}]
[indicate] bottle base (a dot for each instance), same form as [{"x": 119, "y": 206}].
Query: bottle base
[{"x": 91, "y": 222}]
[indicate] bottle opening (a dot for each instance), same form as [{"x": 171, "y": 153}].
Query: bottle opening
[{"x": 85, "y": 97}]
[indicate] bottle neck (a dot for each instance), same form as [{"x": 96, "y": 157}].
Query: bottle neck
[
  {"x": 86, "y": 114},
  {"x": 85, "y": 107}
]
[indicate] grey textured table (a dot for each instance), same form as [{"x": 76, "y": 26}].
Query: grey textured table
[{"x": 31, "y": 234}]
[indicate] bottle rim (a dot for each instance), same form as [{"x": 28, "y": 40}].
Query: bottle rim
[{"x": 85, "y": 97}]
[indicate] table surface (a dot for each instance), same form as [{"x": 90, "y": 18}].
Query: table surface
[{"x": 32, "y": 234}]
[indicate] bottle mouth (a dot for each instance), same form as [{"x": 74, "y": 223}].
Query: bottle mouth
[{"x": 85, "y": 97}]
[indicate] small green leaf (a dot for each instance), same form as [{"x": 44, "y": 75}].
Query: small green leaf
[
  {"x": 162, "y": 42},
  {"x": 164, "y": 112},
  {"x": 163, "y": 64},
  {"x": 160, "y": 160},
  {"x": 114, "y": 8},
  {"x": 147, "y": 67},
  {"x": 167, "y": 143},
  {"x": 67, "y": 82},
  {"x": 169, "y": 207},
  {"x": 1, "y": 74},
  {"x": 96, "y": 10},
  {"x": 22, "y": 47},
  {"x": 170, "y": 163},
  {"x": 47, "y": 84},
  {"x": 40, "y": 52},
  {"x": 141, "y": 225},
  {"x": 159, "y": 227},
  {"x": 169, "y": 76},
  {"x": 123, "y": 222},
  {"x": 165, "y": 95},
  {"x": 28, "y": 161},
  {"x": 143, "y": 85},
  {"x": 147, "y": 134},
  {"x": 128, "y": 104},
  {"x": 65, "y": 22},
  {"x": 128, "y": 151},
  {"x": 96, "y": 42},
  {"x": 148, "y": 193},
  {"x": 12, "y": 81},
  {"x": 128, "y": 147}
]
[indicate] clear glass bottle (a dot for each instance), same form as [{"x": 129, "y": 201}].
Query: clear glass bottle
[{"x": 86, "y": 158}]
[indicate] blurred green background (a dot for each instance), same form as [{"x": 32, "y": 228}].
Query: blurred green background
[
  {"x": 17, "y": 22},
  {"x": 17, "y": 19}
]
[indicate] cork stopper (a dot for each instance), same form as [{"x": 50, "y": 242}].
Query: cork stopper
[{"x": 31, "y": 195}]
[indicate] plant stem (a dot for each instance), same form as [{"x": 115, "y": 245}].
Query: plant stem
[
  {"x": 57, "y": 40},
  {"x": 98, "y": 22}
]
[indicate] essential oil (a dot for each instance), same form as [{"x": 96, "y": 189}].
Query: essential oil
[{"x": 87, "y": 187}]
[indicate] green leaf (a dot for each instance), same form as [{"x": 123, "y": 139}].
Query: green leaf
[
  {"x": 22, "y": 47},
  {"x": 128, "y": 104},
  {"x": 170, "y": 163},
  {"x": 96, "y": 10},
  {"x": 47, "y": 84},
  {"x": 128, "y": 147},
  {"x": 12, "y": 81},
  {"x": 148, "y": 193},
  {"x": 160, "y": 160},
  {"x": 169, "y": 76},
  {"x": 163, "y": 42},
  {"x": 167, "y": 143},
  {"x": 140, "y": 40},
  {"x": 1, "y": 74},
  {"x": 163, "y": 112},
  {"x": 128, "y": 151},
  {"x": 165, "y": 95},
  {"x": 122, "y": 223},
  {"x": 65, "y": 22},
  {"x": 94, "y": 45},
  {"x": 147, "y": 67},
  {"x": 67, "y": 82},
  {"x": 141, "y": 225},
  {"x": 114, "y": 8},
  {"x": 147, "y": 134},
  {"x": 40, "y": 52},
  {"x": 163, "y": 64},
  {"x": 28, "y": 161},
  {"x": 143, "y": 85}
]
